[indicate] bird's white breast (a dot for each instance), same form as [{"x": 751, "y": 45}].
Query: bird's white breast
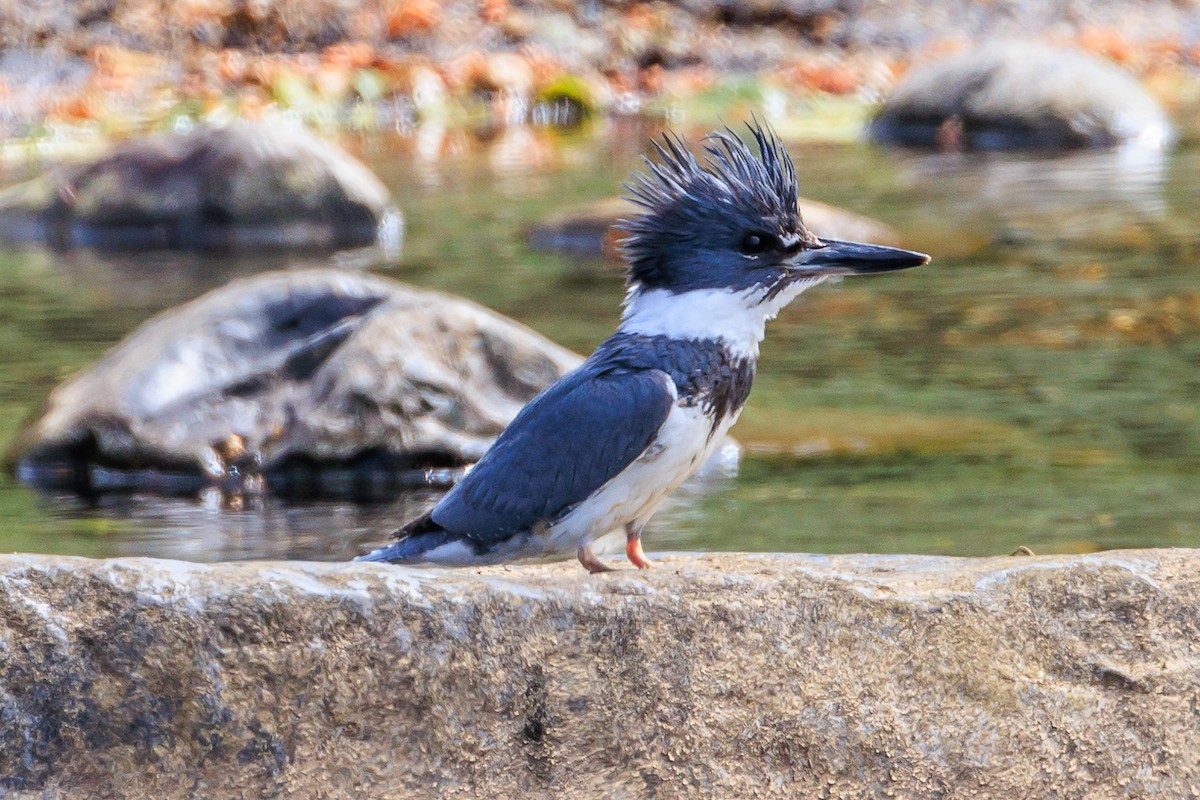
[{"x": 684, "y": 442}]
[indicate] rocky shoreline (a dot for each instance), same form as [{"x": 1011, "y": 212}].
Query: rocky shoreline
[
  {"x": 717, "y": 675},
  {"x": 376, "y": 64}
]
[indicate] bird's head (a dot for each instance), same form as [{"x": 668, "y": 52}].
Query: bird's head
[{"x": 729, "y": 221}]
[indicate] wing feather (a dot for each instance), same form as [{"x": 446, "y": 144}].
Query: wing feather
[{"x": 567, "y": 443}]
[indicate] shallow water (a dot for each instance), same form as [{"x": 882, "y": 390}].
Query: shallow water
[{"x": 1036, "y": 385}]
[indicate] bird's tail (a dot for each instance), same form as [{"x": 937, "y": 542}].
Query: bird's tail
[
  {"x": 410, "y": 549},
  {"x": 424, "y": 541}
]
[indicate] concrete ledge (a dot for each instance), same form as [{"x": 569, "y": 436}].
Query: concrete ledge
[{"x": 714, "y": 676}]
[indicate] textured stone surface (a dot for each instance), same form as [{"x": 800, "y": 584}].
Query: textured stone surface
[
  {"x": 333, "y": 378},
  {"x": 1018, "y": 95},
  {"x": 713, "y": 676},
  {"x": 241, "y": 185}
]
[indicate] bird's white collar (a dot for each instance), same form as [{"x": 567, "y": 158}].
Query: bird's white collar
[{"x": 738, "y": 318}]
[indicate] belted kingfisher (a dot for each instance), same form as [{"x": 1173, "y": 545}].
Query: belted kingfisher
[{"x": 717, "y": 249}]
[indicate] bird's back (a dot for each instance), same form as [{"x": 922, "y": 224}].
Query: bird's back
[{"x": 582, "y": 432}]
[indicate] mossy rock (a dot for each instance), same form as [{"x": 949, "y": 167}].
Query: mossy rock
[
  {"x": 316, "y": 381},
  {"x": 215, "y": 187},
  {"x": 1017, "y": 95}
]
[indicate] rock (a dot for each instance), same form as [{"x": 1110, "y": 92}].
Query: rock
[
  {"x": 509, "y": 72},
  {"x": 588, "y": 230},
  {"x": 307, "y": 378},
  {"x": 715, "y": 676},
  {"x": 743, "y": 12},
  {"x": 243, "y": 185},
  {"x": 1020, "y": 96}
]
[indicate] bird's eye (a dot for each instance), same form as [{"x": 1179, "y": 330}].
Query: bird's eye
[{"x": 755, "y": 243}]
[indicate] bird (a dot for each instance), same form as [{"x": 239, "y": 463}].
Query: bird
[{"x": 716, "y": 249}]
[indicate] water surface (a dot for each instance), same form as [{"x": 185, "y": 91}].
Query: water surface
[{"x": 1036, "y": 385}]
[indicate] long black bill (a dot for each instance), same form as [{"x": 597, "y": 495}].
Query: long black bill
[{"x": 854, "y": 258}]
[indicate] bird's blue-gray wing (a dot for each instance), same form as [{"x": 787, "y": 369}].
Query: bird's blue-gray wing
[{"x": 567, "y": 443}]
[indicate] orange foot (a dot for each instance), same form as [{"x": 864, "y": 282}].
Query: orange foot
[
  {"x": 589, "y": 560},
  {"x": 633, "y": 548}
]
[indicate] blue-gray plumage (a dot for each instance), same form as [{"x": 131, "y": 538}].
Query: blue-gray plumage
[
  {"x": 605, "y": 411},
  {"x": 718, "y": 251}
]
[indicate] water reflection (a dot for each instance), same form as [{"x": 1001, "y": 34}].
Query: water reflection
[
  {"x": 1050, "y": 390},
  {"x": 1080, "y": 195},
  {"x": 159, "y": 279},
  {"x": 209, "y": 530},
  {"x": 213, "y": 527}
]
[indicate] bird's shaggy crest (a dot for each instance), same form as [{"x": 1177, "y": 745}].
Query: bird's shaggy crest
[{"x": 681, "y": 193}]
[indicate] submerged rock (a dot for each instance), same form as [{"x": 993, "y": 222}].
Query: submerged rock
[
  {"x": 315, "y": 380},
  {"x": 849, "y": 432},
  {"x": 1039, "y": 199},
  {"x": 1017, "y": 95},
  {"x": 715, "y": 676},
  {"x": 589, "y": 230},
  {"x": 242, "y": 185}
]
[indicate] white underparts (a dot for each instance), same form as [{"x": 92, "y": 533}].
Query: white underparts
[
  {"x": 736, "y": 317},
  {"x": 683, "y": 443}
]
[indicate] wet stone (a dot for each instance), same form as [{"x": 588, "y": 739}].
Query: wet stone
[
  {"x": 719, "y": 675},
  {"x": 1016, "y": 96},
  {"x": 245, "y": 185},
  {"x": 304, "y": 382}
]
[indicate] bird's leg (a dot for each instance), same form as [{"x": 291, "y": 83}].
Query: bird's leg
[
  {"x": 633, "y": 547},
  {"x": 589, "y": 560}
]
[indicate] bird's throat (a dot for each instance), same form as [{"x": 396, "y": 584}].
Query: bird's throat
[{"x": 736, "y": 317}]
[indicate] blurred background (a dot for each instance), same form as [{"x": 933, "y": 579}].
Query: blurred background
[{"x": 1035, "y": 385}]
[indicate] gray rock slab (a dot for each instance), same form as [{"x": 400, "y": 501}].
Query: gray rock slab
[
  {"x": 294, "y": 375},
  {"x": 1019, "y": 95},
  {"x": 243, "y": 185},
  {"x": 715, "y": 675}
]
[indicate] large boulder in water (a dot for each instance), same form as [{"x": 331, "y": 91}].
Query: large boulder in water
[
  {"x": 292, "y": 377},
  {"x": 241, "y": 185},
  {"x": 1020, "y": 96},
  {"x": 589, "y": 230}
]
